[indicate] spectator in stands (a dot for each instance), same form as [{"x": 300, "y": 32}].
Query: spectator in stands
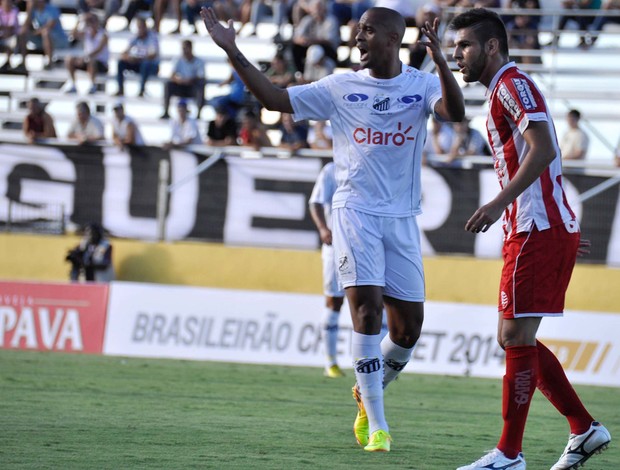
[
  {"x": 109, "y": 7},
  {"x": 159, "y": 10},
  {"x": 222, "y": 130},
  {"x": 523, "y": 34},
  {"x": 96, "y": 53},
  {"x": 91, "y": 260},
  {"x": 417, "y": 51},
  {"x": 125, "y": 131},
  {"x": 574, "y": 143},
  {"x": 184, "y": 129},
  {"x": 299, "y": 9},
  {"x": 252, "y": 132},
  {"x": 320, "y": 135},
  {"x": 348, "y": 13},
  {"x": 406, "y": 8},
  {"x": 466, "y": 141},
  {"x": 38, "y": 123},
  {"x": 9, "y": 28},
  {"x": 86, "y": 128},
  {"x": 610, "y": 14},
  {"x": 317, "y": 64},
  {"x": 582, "y": 21},
  {"x": 44, "y": 31},
  {"x": 141, "y": 55},
  {"x": 277, "y": 9},
  {"x": 191, "y": 11},
  {"x": 187, "y": 80},
  {"x": 319, "y": 28},
  {"x": 280, "y": 72},
  {"x": 528, "y": 5},
  {"x": 294, "y": 133},
  {"x": 439, "y": 139},
  {"x": 236, "y": 10},
  {"x": 134, "y": 6},
  {"x": 235, "y": 99}
]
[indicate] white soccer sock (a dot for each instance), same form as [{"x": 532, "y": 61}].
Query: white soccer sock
[
  {"x": 395, "y": 358},
  {"x": 330, "y": 332},
  {"x": 384, "y": 324},
  {"x": 368, "y": 366}
]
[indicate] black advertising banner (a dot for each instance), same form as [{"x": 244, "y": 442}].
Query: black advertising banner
[{"x": 254, "y": 201}]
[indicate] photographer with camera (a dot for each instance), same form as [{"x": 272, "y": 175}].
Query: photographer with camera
[{"x": 91, "y": 260}]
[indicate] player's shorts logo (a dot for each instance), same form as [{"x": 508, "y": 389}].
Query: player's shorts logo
[
  {"x": 504, "y": 298},
  {"x": 343, "y": 264}
]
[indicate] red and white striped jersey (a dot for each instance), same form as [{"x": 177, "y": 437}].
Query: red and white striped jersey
[{"x": 515, "y": 101}]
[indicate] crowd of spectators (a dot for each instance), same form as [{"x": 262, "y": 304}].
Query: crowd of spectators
[{"x": 307, "y": 50}]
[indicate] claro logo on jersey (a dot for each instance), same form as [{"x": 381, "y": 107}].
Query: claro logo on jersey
[
  {"x": 371, "y": 136},
  {"x": 525, "y": 93},
  {"x": 509, "y": 102}
]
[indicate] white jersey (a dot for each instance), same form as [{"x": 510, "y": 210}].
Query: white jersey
[
  {"x": 379, "y": 129},
  {"x": 323, "y": 191}
]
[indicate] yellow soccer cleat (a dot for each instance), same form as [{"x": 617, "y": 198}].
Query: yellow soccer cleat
[
  {"x": 360, "y": 426},
  {"x": 380, "y": 441},
  {"x": 334, "y": 372}
]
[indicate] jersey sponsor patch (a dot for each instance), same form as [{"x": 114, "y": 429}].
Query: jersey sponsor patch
[
  {"x": 509, "y": 102},
  {"x": 381, "y": 103},
  {"x": 525, "y": 93}
]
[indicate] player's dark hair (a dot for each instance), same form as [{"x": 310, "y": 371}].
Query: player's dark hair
[
  {"x": 574, "y": 113},
  {"x": 486, "y": 24}
]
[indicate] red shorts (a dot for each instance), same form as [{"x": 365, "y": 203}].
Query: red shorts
[{"x": 537, "y": 269}]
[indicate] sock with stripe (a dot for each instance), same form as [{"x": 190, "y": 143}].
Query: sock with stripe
[
  {"x": 368, "y": 366},
  {"x": 554, "y": 385},
  {"x": 519, "y": 386},
  {"x": 395, "y": 358}
]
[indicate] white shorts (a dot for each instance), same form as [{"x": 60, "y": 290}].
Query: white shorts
[
  {"x": 379, "y": 251},
  {"x": 331, "y": 288}
]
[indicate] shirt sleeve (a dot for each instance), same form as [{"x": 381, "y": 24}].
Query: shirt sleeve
[
  {"x": 312, "y": 101},
  {"x": 521, "y": 102}
]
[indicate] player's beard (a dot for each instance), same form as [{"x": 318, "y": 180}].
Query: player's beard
[{"x": 475, "y": 69}]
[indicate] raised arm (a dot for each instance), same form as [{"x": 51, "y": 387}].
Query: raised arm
[
  {"x": 451, "y": 106},
  {"x": 270, "y": 96}
]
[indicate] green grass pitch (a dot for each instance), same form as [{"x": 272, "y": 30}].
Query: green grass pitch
[{"x": 63, "y": 411}]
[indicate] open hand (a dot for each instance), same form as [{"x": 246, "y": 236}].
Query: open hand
[
  {"x": 432, "y": 42},
  {"x": 483, "y": 218},
  {"x": 584, "y": 247},
  {"x": 223, "y": 36}
]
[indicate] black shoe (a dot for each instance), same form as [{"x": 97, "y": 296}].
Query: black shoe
[{"x": 165, "y": 116}]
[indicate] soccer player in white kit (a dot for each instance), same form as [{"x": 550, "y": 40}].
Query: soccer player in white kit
[
  {"x": 541, "y": 242},
  {"x": 320, "y": 205},
  {"x": 378, "y": 116}
]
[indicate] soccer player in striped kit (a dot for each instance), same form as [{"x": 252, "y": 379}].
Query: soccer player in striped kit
[
  {"x": 378, "y": 116},
  {"x": 540, "y": 245}
]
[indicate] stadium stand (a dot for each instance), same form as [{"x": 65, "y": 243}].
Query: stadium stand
[{"x": 572, "y": 77}]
